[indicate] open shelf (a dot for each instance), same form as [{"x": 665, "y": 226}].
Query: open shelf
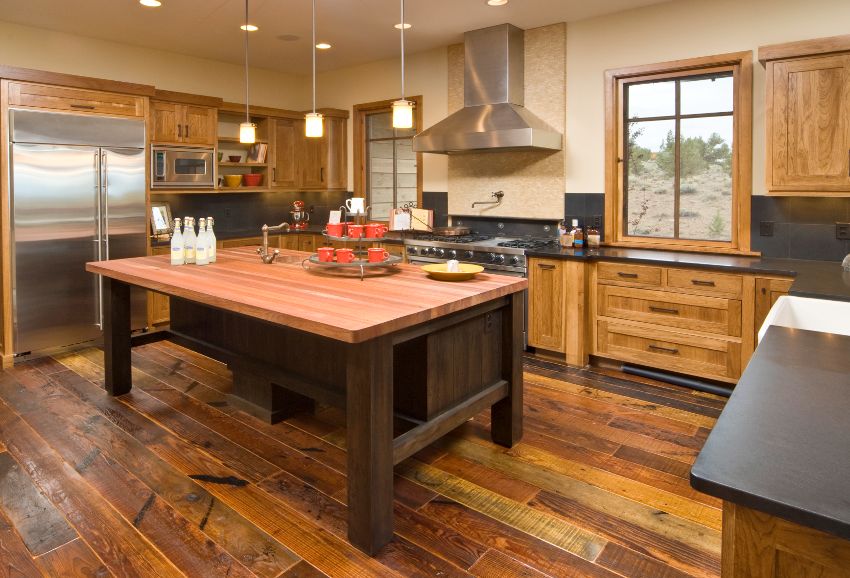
[
  {"x": 235, "y": 140},
  {"x": 229, "y": 164},
  {"x": 241, "y": 189}
]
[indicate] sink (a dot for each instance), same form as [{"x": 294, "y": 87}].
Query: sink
[{"x": 822, "y": 315}]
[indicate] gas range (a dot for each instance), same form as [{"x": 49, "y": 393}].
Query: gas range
[{"x": 498, "y": 254}]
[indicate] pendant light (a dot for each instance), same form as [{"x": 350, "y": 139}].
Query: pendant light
[
  {"x": 313, "y": 123},
  {"x": 247, "y": 130},
  {"x": 402, "y": 108}
]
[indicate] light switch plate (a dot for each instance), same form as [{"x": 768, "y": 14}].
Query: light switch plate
[{"x": 842, "y": 231}]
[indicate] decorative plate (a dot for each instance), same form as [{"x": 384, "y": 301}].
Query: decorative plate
[{"x": 466, "y": 271}]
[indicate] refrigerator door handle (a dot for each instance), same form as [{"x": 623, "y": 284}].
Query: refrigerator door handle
[
  {"x": 104, "y": 170},
  {"x": 98, "y": 199}
]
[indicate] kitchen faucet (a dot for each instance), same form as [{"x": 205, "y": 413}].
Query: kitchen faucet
[
  {"x": 263, "y": 252},
  {"x": 497, "y": 195}
]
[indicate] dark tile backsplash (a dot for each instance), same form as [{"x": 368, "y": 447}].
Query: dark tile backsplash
[{"x": 439, "y": 203}]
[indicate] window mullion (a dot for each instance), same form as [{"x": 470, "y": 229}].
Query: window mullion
[{"x": 677, "y": 172}]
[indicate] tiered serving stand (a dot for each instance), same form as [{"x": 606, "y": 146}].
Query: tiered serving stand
[{"x": 360, "y": 247}]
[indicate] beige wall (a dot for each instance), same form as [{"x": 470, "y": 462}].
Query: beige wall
[
  {"x": 681, "y": 29},
  {"x": 58, "y": 52},
  {"x": 426, "y": 75}
]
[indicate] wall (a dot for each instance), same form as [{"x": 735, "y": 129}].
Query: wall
[
  {"x": 59, "y": 52},
  {"x": 426, "y": 75},
  {"x": 533, "y": 182},
  {"x": 681, "y": 29}
]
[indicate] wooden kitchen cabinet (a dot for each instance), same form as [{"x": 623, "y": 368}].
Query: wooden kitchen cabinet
[
  {"x": 159, "y": 305},
  {"x": 176, "y": 123},
  {"x": 323, "y": 161},
  {"x": 768, "y": 290},
  {"x": 546, "y": 299},
  {"x": 807, "y": 114},
  {"x": 287, "y": 134},
  {"x": 79, "y": 100}
]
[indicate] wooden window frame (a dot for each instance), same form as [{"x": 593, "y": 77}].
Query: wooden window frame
[
  {"x": 741, "y": 65},
  {"x": 361, "y": 111}
]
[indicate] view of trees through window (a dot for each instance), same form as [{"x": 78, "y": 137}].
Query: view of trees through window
[
  {"x": 677, "y": 176},
  {"x": 391, "y": 165}
]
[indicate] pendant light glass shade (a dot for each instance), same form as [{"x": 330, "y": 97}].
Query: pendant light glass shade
[
  {"x": 402, "y": 108},
  {"x": 403, "y": 114},
  {"x": 248, "y": 132},
  {"x": 314, "y": 125}
]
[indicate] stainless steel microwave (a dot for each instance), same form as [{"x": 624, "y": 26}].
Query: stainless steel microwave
[{"x": 176, "y": 166}]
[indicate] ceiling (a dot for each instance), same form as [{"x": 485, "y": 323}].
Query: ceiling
[{"x": 360, "y": 30}]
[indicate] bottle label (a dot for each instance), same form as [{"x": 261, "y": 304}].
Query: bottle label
[{"x": 579, "y": 242}]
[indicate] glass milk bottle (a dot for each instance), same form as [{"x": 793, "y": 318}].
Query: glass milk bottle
[
  {"x": 201, "y": 247},
  {"x": 211, "y": 247},
  {"x": 189, "y": 239},
  {"x": 177, "y": 257}
]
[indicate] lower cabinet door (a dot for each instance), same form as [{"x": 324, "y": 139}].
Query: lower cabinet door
[{"x": 546, "y": 304}]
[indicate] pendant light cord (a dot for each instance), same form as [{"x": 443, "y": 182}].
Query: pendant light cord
[
  {"x": 314, "y": 56},
  {"x": 402, "y": 49},
  {"x": 247, "y": 114}
]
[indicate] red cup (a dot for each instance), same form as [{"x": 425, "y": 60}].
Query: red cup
[
  {"x": 326, "y": 254},
  {"x": 375, "y": 230},
  {"x": 344, "y": 255},
  {"x": 378, "y": 255},
  {"x": 355, "y": 231},
  {"x": 336, "y": 229}
]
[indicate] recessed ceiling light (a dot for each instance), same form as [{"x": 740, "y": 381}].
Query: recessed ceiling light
[
  {"x": 151, "y": 3},
  {"x": 248, "y": 27},
  {"x": 323, "y": 46},
  {"x": 496, "y": 2},
  {"x": 406, "y": 26}
]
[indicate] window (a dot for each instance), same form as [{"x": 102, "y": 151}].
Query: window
[
  {"x": 390, "y": 172},
  {"x": 679, "y": 150}
]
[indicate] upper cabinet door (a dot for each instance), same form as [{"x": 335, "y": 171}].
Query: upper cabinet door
[
  {"x": 314, "y": 156},
  {"x": 336, "y": 168},
  {"x": 199, "y": 125},
  {"x": 166, "y": 122},
  {"x": 808, "y": 114},
  {"x": 288, "y": 134}
]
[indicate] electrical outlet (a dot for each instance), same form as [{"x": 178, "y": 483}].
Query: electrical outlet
[
  {"x": 226, "y": 211},
  {"x": 596, "y": 221},
  {"x": 842, "y": 231},
  {"x": 766, "y": 228}
]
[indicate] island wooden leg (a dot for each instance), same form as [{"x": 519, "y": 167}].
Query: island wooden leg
[
  {"x": 369, "y": 423},
  {"x": 116, "y": 337},
  {"x": 506, "y": 415}
]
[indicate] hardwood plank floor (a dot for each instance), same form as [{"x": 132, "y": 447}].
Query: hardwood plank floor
[{"x": 171, "y": 480}]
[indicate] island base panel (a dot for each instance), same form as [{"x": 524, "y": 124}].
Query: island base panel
[
  {"x": 758, "y": 545},
  {"x": 116, "y": 337},
  {"x": 266, "y": 400}
]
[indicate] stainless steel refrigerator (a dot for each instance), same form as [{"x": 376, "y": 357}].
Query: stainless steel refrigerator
[{"x": 77, "y": 195}]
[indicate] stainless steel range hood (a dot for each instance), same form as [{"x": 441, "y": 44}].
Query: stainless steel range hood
[{"x": 493, "y": 117}]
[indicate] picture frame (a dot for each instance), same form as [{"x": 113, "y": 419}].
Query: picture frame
[{"x": 161, "y": 221}]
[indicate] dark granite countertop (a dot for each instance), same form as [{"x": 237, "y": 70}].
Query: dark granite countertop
[
  {"x": 236, "y": 234},
  {"x": 782, "y": 444},
  {"x": 818, "y": 279}
]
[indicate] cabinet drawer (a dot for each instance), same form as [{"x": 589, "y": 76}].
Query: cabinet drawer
[
  {"x": 714, "y": 358},
  {"x": 74, "y": 99},
  {"x": 690, "y": 312},
  {"x": 623, "y": 274},
  {"x": 707, "y": 282}
]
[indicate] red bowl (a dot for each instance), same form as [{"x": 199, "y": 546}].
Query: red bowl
[{"x": 252, "y": 180}]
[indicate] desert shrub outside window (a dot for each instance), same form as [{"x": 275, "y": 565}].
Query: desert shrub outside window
[{"x": 677, "y": 175}]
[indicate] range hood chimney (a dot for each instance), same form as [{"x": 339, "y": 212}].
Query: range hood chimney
[{"x": 493, "y": 117}]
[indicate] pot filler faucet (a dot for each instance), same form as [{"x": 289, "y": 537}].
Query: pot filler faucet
[
  {"x": 497, "y": 195},
  {"x": 263, "y": 252}
]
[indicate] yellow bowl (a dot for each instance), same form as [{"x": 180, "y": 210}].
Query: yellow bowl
[
  {"x": 466, "y": 271},
  {"x": 233, "y": 181}
]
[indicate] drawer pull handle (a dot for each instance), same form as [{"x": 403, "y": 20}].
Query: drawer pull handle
[
  {"x": 627, "y": 275},
  {"x": 544, "y": 266},
  {"x": 663, "y": 310},
  {"x": 700, "y": 283},
  {"x": 83, "y": 106},
  {"x": 670, "y": 350}
]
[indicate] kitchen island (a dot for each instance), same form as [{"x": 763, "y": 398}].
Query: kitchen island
[{"x": 407, "y": 357}]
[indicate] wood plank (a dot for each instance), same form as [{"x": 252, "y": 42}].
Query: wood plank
[
  {"x": 255, "y": 549},
  {"x": 654, "y": 461},
  {"x": 632, "y": 564},
  {"x": 303, "y": 570},
  {"x": 117, "y": 542},
  {"x": 15, "y": 560},
  {"x": 495, "y": 564},
  {"x": 341, "y": 307},
  {"x": 73, "y": 560},
  {"x": 39, "y": 523},
  {"x": 485, "y": 477}
]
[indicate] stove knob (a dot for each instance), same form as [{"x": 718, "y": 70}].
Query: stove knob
[
  {"x": 500, "y": 259},
  {"x": 411, "y": 250},
  {"x": 431, "y": 250},
  {"x": 441, "y": 252},
  {"x": 514, "y": 261},
  {"x": 491, "y": 257},
  {"x": 452, "y": 254},
  {"x": 423, "y": 251},
  {"x": 468, "y": 254}
]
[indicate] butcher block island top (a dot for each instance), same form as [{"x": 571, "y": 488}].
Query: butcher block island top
[{"x": 336, "y": 306}]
